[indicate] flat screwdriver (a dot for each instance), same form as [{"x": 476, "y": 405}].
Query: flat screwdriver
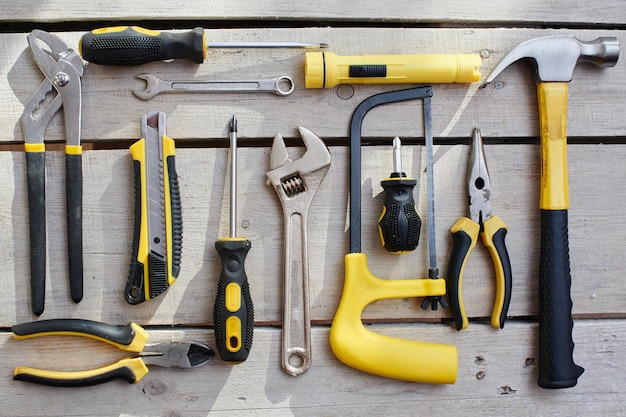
[
  {"x": 233, "y": 312},
  {"x": 399, "y": 224},
  {"x": 133, "y": 45}
]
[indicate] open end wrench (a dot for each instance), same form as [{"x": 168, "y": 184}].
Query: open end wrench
[
  {"x": 296, "y": 183},
  {"x": 282, "y": 86}
]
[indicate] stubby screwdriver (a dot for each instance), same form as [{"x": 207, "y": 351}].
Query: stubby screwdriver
[
  {"x": 399, "y": 224},
  {"x": 133, "y": 45},
  {"x": 233, "y": 312}
]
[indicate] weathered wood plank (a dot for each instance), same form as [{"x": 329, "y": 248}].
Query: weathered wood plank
[
  {"x": 428, "y": 12},
  {"x": 497, "y": 376},
  {"x": 595, "y": 232},
  {"x": 509, "y": 111}
]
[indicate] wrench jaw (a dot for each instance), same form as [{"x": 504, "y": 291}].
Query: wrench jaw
[
  {"x": 151, "y": 89},
  {"x": 295, "y": 180},
  {"x": 296, "y": 183}
]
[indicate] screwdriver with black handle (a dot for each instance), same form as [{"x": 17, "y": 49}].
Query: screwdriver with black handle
[
  {"x": 399, "y": 224},
  {"x": 233, "y": 312},
  {"x": 133, "y": 45}
]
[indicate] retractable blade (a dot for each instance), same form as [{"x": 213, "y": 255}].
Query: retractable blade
[{"x": 157, "y": 239}]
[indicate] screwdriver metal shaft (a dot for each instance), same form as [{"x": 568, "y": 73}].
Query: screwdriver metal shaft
[
  {"x": 265, "y": 45},
  {"x": 233, "y": 178}
]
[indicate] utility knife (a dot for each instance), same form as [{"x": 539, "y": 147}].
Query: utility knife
[{"x": 158, "y": 227}]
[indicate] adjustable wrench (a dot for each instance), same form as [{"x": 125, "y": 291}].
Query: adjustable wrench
[
  {"x": 282, "y": 86},
  {"x": 296, "y": 183}
]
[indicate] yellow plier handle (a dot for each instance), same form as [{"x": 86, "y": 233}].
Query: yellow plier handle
[
  {"x": 131, "y": 370},
  {"x": 465, "y": 235}
]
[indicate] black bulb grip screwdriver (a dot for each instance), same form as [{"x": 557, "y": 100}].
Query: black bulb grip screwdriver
[
  {"x": 133, "y": 45},
  {"x": 233, "y": 311},
  {"x": 399, "y": 224}
]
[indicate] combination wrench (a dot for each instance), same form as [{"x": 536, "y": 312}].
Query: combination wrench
[
  {"x": 282, "y": 86},
  {"x": 296, "y": 183}
]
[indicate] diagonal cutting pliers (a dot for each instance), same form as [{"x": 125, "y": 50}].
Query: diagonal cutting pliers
[
  {"x": 63, "y": 69},
  {"x": 131, "y": 338},
  {"x": 465, "y": 235}
]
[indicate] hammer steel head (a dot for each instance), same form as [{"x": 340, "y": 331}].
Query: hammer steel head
[{"x": 556, "y": 56}]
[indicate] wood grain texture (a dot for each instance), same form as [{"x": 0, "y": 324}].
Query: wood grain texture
[
  {"x": 457, "y": 107},
  {"x": 429, "y": 11},
  {"x": 596, "y": 248},
  {"x": 497, "y": 371},
  {"x": 497, "y": 376}
]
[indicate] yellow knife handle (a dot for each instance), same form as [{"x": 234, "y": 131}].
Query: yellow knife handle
[
  {"x": 464, "y": 237},
  {"x": 383, "y": 355},
  {"x": 326, "y": 69},
  {"x": 493, "y": 237},
  {"x": 131, "y": 370},
  {"x": 151, "y": 274}
]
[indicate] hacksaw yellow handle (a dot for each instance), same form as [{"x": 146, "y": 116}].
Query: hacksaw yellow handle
[
  {"x": 383, "y": 355},
  {"x": 552, "y": 122}
]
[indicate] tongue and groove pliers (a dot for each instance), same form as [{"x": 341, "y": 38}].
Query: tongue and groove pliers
[
  {"x": 465, "y": 235},
  {"x": 130, "y": 338},
  {"x": 63, "y": 68}
]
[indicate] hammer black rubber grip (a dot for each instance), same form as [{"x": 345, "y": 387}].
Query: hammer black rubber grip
[{"x": 556, "y": 346}]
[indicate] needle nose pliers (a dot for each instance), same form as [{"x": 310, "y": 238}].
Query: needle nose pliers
[
  {"x": 465, "y": 235},
  {"x": 131, "y": 338}
]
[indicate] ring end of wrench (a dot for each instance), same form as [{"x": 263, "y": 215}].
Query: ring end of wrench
[{"x": 296, "y": 361}]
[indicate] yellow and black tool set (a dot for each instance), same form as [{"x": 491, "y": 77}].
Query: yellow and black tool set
[{"x": 157, "y": 244}]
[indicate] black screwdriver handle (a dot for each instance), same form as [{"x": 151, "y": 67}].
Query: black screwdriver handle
[
  {"x": 128, "y": 46},
  {"x": 399, "y": 224},
  {"x": 233, "y": 312},
  {"x": 556, "y": 346}
]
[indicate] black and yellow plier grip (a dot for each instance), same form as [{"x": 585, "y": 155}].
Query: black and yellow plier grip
[
  {"x": 63, "y": 69},
  {"x": 130, "y": 338},
  {"x": 465, "y": 235}
]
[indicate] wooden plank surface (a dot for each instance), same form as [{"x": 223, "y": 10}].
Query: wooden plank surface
[
  {"x": 497, "y": 371},
  {"x": 108, "y": 220},
  {"x": 457, "y": 107},
  {"x": 429, "y": 11},
  {"x": 496, "y": 377}
]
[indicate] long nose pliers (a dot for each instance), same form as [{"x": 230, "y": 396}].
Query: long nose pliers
[
  {"x": 465, "y": 235},
  {"x": 63, "y": 69}
]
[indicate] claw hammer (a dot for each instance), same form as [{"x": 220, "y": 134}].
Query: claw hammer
[{"x": 556, "y": 57}]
